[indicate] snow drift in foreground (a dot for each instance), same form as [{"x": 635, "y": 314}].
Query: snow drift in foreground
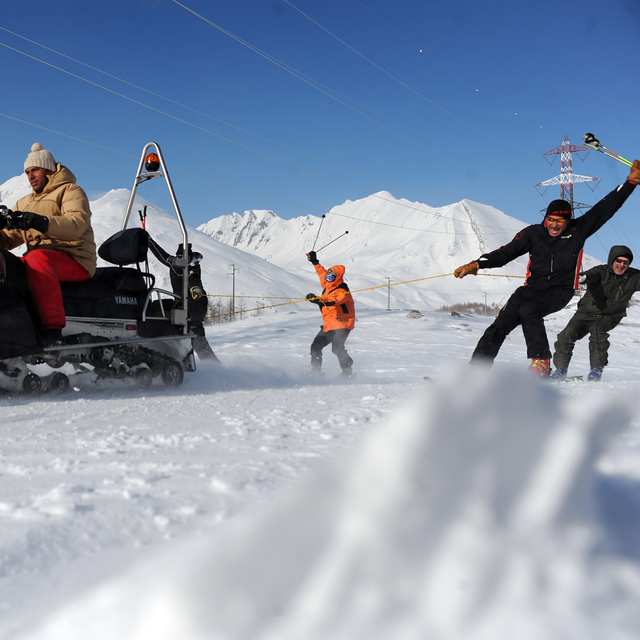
[{"x": 451, "y": 522}]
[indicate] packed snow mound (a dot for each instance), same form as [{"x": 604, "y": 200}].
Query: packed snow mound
[{"x": 472, "y": 515}]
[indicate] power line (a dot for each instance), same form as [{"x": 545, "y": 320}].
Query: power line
[
  {"x": 316, "y": 85},
  {"x": 251, "y": 133},
  {"x": 182, "y": 121},
  {"x": 258, "y": 193},
  {"x": 406, "y": 86}
]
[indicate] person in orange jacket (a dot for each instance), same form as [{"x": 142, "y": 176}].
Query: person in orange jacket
[{"x": 338, "y": 315}]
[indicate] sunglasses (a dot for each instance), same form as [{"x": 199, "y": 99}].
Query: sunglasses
[
  {"x": 549, "y": 219},
  {"x": 626, "y": 263}
]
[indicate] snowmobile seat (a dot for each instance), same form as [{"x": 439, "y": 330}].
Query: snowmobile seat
[
  {"x": 113, "y": 292},
  {"x": 129, "y": 246}
]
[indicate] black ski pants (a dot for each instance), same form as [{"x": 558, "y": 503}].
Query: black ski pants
[
  {"x": 527, "y": 307},
  {"x": 336, "y": 339},
  {"x": 598, "y": 328}
]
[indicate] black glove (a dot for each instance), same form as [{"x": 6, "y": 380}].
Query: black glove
[
  {"x": 3, "y": 222},
  {"x": 197, "y": 292},
  {"x": 313, "y": 299},
  {"x": 27, "y": 220},
  {"x": 601, "y": 303},
  {"x": 311, "y": 257}
]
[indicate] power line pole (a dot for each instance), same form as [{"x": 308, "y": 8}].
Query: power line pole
[
  {"x": 233, "y": 289},
  {"x": 567, "y": 178},
  {"x": 388, "y": 293}
]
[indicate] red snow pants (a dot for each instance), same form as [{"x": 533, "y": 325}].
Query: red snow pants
[{"x": 45, "y": 269}]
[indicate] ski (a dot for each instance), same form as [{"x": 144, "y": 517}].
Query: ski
[{"x": 568, "y": 379}]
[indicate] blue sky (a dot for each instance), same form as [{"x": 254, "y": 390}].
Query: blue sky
[{"x": 433, "y": 101}]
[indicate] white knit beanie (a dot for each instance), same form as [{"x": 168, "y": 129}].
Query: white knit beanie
[{"x": 40, "y": 157}]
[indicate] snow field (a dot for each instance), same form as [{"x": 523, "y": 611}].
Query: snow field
[{"x": 194, "y": 512}]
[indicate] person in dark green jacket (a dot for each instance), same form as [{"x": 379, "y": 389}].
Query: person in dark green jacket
[{"x": 609, "y": 290}]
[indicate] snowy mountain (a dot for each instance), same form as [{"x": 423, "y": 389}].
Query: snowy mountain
[
  {"x": 387, "y": 238},
  {"x": 380, "y": 239},
  {"x": 14, "y": 189}
]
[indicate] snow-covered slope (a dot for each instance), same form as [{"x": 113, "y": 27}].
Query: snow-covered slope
[
  {"x": 254, "y": 276},
  {"x": 388, "y": 238},
  {"x": 14, "y": 189},
  {"x": 493, "y": 507},
  {"x": 488, "y": 506}
]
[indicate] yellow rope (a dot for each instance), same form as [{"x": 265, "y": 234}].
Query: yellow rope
[{"x": 298, "y": 300}]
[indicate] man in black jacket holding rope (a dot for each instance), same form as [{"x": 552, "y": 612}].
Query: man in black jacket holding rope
[{"x": 555, "y": 248}]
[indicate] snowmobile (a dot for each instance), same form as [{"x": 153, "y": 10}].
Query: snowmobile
[{"x": 119, "y": 325}]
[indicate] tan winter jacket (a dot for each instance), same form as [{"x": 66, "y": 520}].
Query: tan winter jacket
[{"x": 67, "y": 207}]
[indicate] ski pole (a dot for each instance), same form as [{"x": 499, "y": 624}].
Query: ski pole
[
  {"x": 143, "y": 217},
  {"x": 328, "y": 243},
  {"x": 591, "y": 141},
  {"x": 317, "y": 234}
]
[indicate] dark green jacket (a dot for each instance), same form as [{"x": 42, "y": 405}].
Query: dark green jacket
[{"x": 607, "y": 293}]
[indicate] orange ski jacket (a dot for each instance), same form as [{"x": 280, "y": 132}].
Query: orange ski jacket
[{"x": 338, "y": 310}]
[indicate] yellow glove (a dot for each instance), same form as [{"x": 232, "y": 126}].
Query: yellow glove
[
  {"x": 465, "y": 270},
  {"x": 634, "y": 176},
  {"x": 196, "y": 292}
]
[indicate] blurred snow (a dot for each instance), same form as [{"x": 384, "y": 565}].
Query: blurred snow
[{"x": 471, "y": 515}]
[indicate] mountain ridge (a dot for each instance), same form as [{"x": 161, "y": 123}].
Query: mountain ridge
[
  {"x": 395, "y": 252},
  {"x": 380, "y": 237}
]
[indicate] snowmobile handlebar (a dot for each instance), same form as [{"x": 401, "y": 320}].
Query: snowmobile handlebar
[
  {"x": 8, "y": 218},
  {"x": 5, "y": 214}
]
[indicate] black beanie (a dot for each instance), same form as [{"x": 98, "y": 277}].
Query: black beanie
[{"x": 560, "y": 208}]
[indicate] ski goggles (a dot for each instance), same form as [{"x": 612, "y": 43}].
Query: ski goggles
[
  {"x": 195, "y": 259},
  {"x": 330, "y": 276},
  {"x": 555, "y": 218}
]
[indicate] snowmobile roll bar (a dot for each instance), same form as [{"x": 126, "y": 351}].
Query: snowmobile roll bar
[{"x": 152, "y": 166}]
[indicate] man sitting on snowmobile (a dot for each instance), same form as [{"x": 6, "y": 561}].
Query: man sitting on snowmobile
[
  {"x": 197, "y": 301},
  {"x": 338, "y": 315},
  {"x": 55, "y": 224},
  {"x": 555, "y": 252}
]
